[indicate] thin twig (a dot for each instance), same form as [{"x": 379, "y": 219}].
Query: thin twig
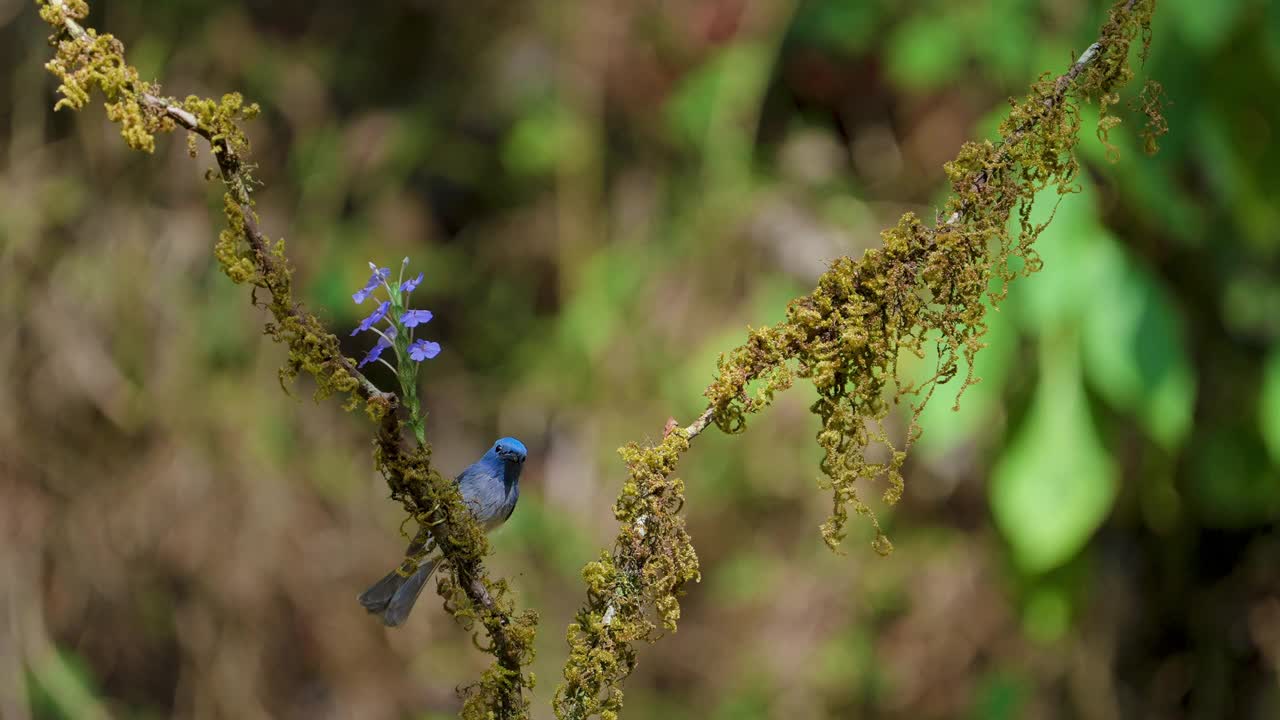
[{"x": 698, "y": 425}]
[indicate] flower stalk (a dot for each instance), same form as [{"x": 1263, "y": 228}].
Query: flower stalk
[{"x": 401, "y": 324}]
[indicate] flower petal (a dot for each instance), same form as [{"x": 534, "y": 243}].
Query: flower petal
[
  {"x": 372, "y": 355},
  {"x": 379, "y": 275},
  {"x": 411, "y": 285},
  {"x": 414, "y": 318},
  {"x": 377, "y": 315},
  {"x": 423, "y": 350},
  {"x": 375, "y": 351}
]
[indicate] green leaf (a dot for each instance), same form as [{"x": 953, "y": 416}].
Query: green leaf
[
  {"x": 839, "y": 24},
  {"x": 1134, "y": 350},
  {"x": 1001, "y": 695},
  {"x": 945, "y": 428},
  {"x": 1204, "y": 24},
  {"x": 924, "y": 52},
  {"x": 1046, "y": 617},
  {"x": 1059, "y": 295},
  {"x": 1149, "y": 183},
  {"x": 318, "y": 165},
  {"x": 714, "y": 97},
  {"x": 1232, "y": 483},
  {"x": 1055, "y": 483},
  {"x": 1132, "y": 341},
  {"x": 1007, "y": 52},
  {"x": 1269, "y": 406},
  {"x": 609, "y": 281},
  {"x": 61, "y": 684},
  {"x": 544, "y": 139},
  {"x": 1272, "y": 33}
]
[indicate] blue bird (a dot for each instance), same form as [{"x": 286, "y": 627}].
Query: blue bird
[{"x": 490, "y": 487}]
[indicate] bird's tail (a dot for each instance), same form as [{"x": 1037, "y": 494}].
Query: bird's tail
[{"x": 392, "y": 597}]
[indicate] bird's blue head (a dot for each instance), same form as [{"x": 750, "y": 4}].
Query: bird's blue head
[{"x": 510, "y": 450}]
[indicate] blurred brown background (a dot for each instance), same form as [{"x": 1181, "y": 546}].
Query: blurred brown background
[{"x": 603, "y": 195}]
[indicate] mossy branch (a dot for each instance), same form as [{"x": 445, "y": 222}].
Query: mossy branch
[
  {"x": 86, "y": 60},
  {"x": 924, "y": 288}
]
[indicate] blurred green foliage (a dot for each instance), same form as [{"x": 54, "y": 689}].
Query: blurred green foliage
[{"x": 605, "y": 196}]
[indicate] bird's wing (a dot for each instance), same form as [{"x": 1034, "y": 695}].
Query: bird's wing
[
  {"x": 482, "y": 489},
  {"x": 512, "y": 499}
]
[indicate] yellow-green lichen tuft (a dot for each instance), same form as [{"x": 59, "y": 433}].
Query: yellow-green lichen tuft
[
  {"x": 652, "y": 561},
  {"x": 220, "y": 120},
  {"x": 85, "y": 61},
  {"x": 923, "y": 290}
]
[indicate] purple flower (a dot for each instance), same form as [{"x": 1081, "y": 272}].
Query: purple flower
[
  {"x": 423, "y": 350},
  {"x": 414, "y": 318},
  {"x": 374, "y": 353},
  {"x": 383, "y": 343},
  {"x": 379, "y": 276},
  {"x": 411, "y": 285},
  {"x": 377, "y": 315}
]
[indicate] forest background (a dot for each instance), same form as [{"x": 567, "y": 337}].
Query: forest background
[{"x": 603, "y": 195}]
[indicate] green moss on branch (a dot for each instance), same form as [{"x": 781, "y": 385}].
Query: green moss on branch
[
  {"x": 923, "y": 290},
  {"x": 85, "y": 61}
]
